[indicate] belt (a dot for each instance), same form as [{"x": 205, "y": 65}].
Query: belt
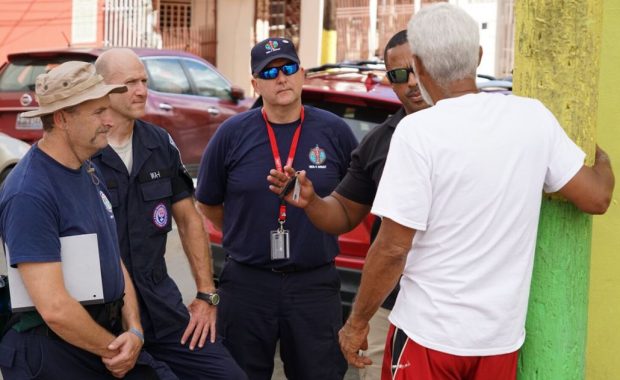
[
  {"x": 107, "y": 315},
  {"x": 285, "y": 269}
]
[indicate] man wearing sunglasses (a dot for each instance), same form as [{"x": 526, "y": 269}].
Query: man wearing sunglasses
[
  {"x": 350, "y": 202},
  {"x": 279, "y": 282}
]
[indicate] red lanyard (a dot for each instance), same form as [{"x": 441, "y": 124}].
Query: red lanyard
[{"x": 276, "y": 153}]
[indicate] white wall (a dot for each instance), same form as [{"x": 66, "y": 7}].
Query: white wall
[
  {"x": 310, "y": 33},
  {"x": 483, "y": 11},
  {"x": 235, "y": 38}
]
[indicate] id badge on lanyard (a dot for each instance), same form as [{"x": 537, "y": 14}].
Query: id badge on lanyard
[
  {"x": 280, "y": 238},
  {"x": 280, "y": 244}
]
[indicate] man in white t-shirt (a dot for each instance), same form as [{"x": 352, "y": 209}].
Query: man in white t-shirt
[{"x": 460, "y": 200}]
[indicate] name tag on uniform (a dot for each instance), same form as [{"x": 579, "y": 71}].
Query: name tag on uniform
[{"x": 280, "y": 244}]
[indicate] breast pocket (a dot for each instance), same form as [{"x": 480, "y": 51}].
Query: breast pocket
[{"x": 157, "y": 205}]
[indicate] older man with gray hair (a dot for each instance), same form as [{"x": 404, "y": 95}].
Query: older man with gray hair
[{"x": 460, "y": 200}]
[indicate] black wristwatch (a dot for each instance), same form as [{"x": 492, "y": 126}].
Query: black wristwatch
[{"x": 210, "y": 298}]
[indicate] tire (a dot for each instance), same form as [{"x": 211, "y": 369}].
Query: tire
[{"x": 4, "y": 174}]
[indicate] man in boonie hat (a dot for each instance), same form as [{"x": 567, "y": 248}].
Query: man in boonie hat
[{"x": 52, "y": 193}]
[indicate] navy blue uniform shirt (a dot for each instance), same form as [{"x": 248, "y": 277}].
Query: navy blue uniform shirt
[
  {"x": 234, "y": 171},
  {"x": 43, "y": 200},
  {"x": 142, "y": 203}
]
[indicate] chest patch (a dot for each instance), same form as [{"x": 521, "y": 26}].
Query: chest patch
[
  {"x": 317, "y": 157},
  {"x": 160, "y": 215},
  {"x": 106, "y": 204}
]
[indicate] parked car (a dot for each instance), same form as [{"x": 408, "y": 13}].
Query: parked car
[
  {"x": 187, "y": 95},
  {"x": 361, "y": 95},
  {"x": 11, "y": 151}
]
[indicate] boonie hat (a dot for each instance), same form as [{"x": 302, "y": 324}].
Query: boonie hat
[
  {"x": 271, "y": 49},
  {"x": 69, "y": 84}
]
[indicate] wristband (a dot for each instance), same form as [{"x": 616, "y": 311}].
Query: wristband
[{"x": 137, "y": 333}]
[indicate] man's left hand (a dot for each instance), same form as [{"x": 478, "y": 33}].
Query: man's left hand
[
  {"x": 202, "y": 318},
  {"x": 352, "y": 339}
]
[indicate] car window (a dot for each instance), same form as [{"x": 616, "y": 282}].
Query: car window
[
  {"x": 21, "y": 76},
  {"x": 167, "y": 75},
  {"x": 207, "y": 81},
  {"x": 361, "y": 119}
]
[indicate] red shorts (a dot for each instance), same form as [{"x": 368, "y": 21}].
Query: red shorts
[{"x": 404, "y": 359}]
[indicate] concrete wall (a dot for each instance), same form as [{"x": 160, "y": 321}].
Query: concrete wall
[
  {"x": 235, "y": 38},
  {"x": 604, "y": 312},
  {"x": 310, "y": 33}
]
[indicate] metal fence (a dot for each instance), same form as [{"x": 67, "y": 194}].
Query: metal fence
[
  {"x": 353, "y": 25},
  {"x": 130, "y": 23},
  {"x": 199, "y": 41}
]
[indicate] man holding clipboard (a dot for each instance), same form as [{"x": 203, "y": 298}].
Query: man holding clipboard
[{"x": 54, "y": 192}]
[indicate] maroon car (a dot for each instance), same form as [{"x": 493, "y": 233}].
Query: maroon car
[{"x": 187, "y": 95}]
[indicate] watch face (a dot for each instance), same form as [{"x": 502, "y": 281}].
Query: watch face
[{"x": 215, "y": 299}]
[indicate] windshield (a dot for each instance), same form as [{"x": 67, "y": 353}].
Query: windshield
[
  {"x": 361, "y": 119},
  {"x": 21, "y": 74}
]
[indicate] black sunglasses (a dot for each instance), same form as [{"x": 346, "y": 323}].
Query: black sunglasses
[
  {"x": 272, "y": 72},
  {"x": 399, "y": 75}
]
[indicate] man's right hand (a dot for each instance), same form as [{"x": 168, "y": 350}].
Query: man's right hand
[
  {"x": 128, "y": 346},
  {"x": 278, "y": 179}
]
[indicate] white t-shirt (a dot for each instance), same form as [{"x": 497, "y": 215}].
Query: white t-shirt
[
  {"x": 467, "y": 174},
  {"x": 125, "y": 152}
]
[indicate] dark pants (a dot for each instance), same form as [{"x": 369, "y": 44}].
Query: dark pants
[
  {"x": 212, "y": 361},
  {"x": 28, "y": 355},
  {"x": 300, "y": 309}
]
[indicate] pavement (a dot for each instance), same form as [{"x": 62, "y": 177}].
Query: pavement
[{"x": 178, "y": 268}]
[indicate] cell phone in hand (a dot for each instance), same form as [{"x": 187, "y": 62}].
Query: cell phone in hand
[{"x": 288, "y": 187}]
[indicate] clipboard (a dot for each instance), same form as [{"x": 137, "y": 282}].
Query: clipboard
[{"x": 81, "y": 272}]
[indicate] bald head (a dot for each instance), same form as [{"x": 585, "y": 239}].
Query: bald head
[
  {"x": 114, "y": 60},
  {"x": 123, "y": 66}
]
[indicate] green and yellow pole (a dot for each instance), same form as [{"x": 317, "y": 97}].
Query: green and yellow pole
[
  {"x": 557, "y": 51},
  {"x": 604, "y": 313}
]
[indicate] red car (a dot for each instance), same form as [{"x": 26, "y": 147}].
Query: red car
[{"x": 187, "y": 95}]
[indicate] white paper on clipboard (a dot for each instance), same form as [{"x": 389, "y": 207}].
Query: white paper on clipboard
[{"x": 81, "y": 271}]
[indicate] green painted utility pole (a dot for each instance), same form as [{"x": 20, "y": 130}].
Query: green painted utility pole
[{"x": 557, "y": 51}]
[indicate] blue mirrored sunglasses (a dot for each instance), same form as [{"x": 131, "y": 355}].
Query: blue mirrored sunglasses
[{"x": 272, "y": 72}]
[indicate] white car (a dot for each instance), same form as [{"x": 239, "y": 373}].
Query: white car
[{"x": 11, "y": 151}]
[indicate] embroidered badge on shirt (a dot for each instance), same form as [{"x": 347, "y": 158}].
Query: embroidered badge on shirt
[
  {"x": 106, "y": 203},
  {"x": 160, "y": 215},
  {"x": 317, "y": 156}
]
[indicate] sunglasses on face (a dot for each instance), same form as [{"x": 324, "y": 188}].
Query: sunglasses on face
[
  {"x": 399, "y": 75},
  {"x": 272, "y": 72}
]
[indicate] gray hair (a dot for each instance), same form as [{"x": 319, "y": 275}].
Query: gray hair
[{"x": 447, "y": 41}]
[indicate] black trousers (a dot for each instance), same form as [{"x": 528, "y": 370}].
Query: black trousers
[{"x": 302, "y": 310}]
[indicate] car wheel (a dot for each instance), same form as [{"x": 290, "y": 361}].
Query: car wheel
[{"x": 5, "y": 173}]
